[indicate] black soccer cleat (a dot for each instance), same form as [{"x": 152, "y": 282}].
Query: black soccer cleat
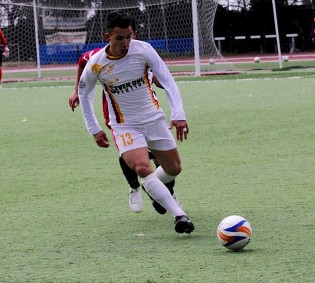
[{"x": 183, "y": 224}]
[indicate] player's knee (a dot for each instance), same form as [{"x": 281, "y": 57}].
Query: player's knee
[
  {"x": 143, "y": 169},
  {"x": 174, "y": 170}
]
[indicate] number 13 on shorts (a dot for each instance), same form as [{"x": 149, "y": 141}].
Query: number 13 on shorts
[{"x": 126, "y": 139}]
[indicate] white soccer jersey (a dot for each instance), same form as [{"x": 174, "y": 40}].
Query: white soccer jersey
[{"x": 126, "y": 81}]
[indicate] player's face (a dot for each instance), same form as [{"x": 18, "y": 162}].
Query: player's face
[{"x": 119, "y": 40}]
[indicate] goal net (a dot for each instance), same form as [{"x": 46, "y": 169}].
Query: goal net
[{"x": 49, "y": 33}]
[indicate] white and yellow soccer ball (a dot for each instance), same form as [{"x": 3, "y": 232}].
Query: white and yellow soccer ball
[{"x": 234, "y": 232}]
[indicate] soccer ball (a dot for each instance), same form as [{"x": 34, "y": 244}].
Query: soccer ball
[
  {"x": 211, "y": 61},
  {"x": 285, "y": 58},
  {"x": 234, "y": 232},
  {"x": 256, "y": 59}
]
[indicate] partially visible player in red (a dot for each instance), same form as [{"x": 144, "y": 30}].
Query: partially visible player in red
[
  {"x": 84, "y": 58},
  {"x": 135, "y": 198},
  {"x": 4, "y": 51}
]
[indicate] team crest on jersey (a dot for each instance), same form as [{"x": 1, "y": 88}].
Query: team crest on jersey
[
  {"x": 97, "y": 69},
  {"x": 108, "y": 70}
]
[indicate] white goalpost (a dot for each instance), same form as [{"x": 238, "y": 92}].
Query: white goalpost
[
  {"x": 48, "y": 32},
  {"x": 277, "y": 33}
]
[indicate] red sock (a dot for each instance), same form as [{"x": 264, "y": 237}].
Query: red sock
[{"x": 0, "y": 75}]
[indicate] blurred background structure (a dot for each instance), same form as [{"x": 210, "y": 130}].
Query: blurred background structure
[{"x": 193, "y": 35}]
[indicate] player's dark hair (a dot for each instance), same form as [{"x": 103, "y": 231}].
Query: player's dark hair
[{"x": 120, "y": 19}]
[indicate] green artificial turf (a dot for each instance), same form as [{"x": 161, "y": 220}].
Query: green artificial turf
[{"x": 64, "y": 201}]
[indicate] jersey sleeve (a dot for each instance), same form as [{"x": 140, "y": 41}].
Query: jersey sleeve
[
  {"x": 3, "y": 40},
  {"x": 166, "y": 79},
  {"x": 85, "y": 57},
  {"x": 86, "y": 95},
  {"x": 83, "y": 60}
]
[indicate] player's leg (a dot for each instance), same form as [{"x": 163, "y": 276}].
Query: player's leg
[
  {"x": 138, "y": 160},
  {"x": 170, "y": 159},
  {"x": 171, "y": 162},
  {"x": 135, "y": 197},
  {"x": 163, "y": 146},
  {"x": 170, "y": 185},
  {"x": 130, "y": 175},
  {"x": 133, "y": 148},
  {"x": 159, "y": 208}
]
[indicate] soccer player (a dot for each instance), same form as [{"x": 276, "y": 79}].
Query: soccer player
[
  {"x": 4, "y": 51},
  {"x": 135, "y": 198},
  {"x": 137, "y": 121}
]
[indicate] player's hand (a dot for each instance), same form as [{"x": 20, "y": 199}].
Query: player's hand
[
  {"x": 101, "y": 139},
  {"x": 182, "y": 129},
  {"x": 74, "y": 100},
  {"x": 6, "y": 52}
]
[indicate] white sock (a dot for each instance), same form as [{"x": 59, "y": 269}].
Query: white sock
[
  {"x": 160, "y": 173},
  {"x": 157, "y": 190}
]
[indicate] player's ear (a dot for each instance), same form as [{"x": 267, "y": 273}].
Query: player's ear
[{"x": 106, "y": 36}]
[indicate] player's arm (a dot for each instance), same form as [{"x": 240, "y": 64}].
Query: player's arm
[
  {"x": 86, "y": 91},
  {"x": 162, "y": 73},
  {"x": 4, "y": 42},
  {"x": 74, "y": 97},
  {"x": 83, "y": 60}
]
